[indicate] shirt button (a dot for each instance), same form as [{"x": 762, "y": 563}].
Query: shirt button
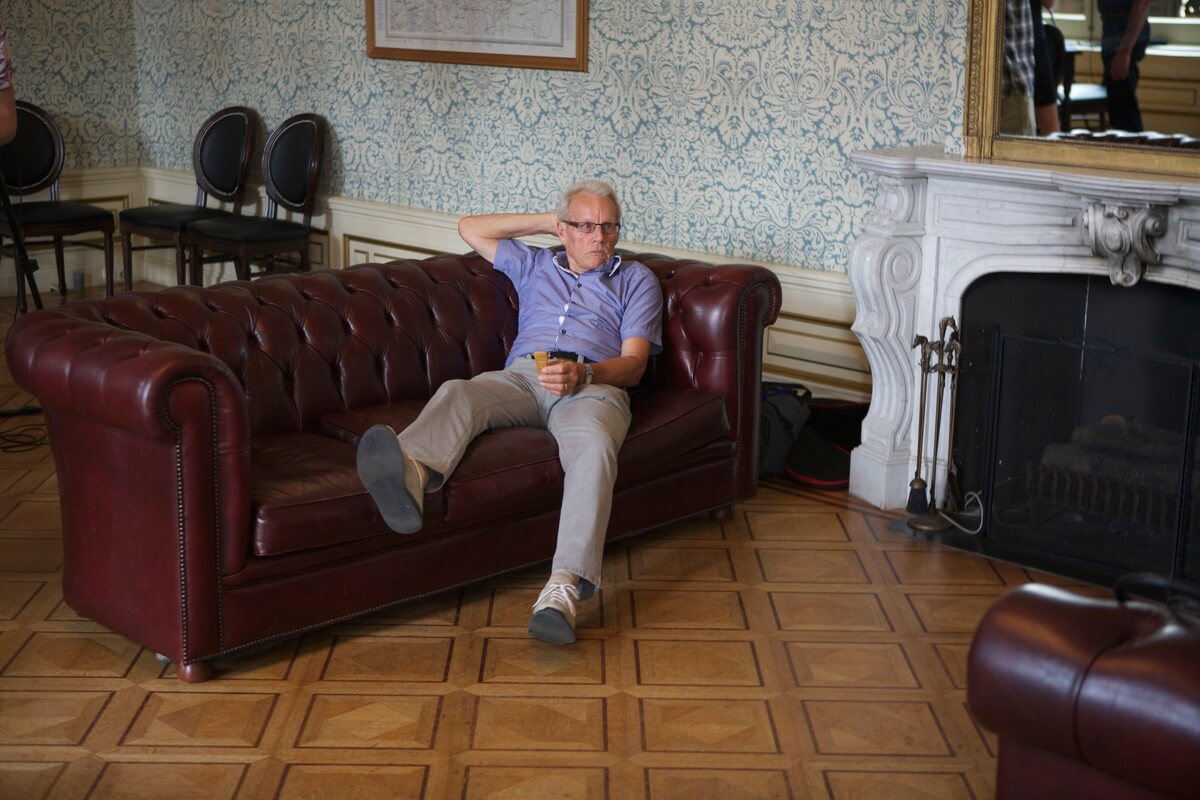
[{"x": 564, "y": 330}]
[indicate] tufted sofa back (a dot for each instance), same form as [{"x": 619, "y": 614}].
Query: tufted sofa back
[{"x": 304, "y": 346}]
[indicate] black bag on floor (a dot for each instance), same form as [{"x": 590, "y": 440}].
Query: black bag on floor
[
  {"x": 820, "y": 458},
  {"x": 784, "y": 410},
  {"x": 814, "y": 461}
]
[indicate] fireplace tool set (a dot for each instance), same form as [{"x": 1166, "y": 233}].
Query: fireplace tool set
[{"x": 938, "y": 358}]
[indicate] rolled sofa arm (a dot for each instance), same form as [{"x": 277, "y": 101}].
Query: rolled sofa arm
[
  {"x": 114, "y": 376},
  {"x": 1101, "y": 683},
  {"x": 713, "y": 341},
  {"x": 151, "y": 447}
]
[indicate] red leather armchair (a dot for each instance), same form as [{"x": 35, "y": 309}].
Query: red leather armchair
[
  {"x": 204, "y": 441},
  {"x": 1094, "y": 699}
]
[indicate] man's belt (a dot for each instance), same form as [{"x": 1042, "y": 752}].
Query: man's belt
[{"x": 565, "y": 355}]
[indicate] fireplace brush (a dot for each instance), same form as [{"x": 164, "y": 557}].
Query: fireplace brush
[
  {"x": 953, "y": 490},
  {"x": 939, "y": 349},
  {"x": 918, "y": 498}
]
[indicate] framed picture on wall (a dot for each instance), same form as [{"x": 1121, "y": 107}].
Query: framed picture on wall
[{"x": 540, "y": 34}]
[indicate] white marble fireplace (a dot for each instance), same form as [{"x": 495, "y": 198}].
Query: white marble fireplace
[{"x": 942, "y": 222}]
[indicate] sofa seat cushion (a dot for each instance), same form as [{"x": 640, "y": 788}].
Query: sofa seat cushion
[
  {"x": 667, "y": 425},
  {"x": 507, "y": 472},
  {"x": 515, "y": 471},
  {"x": 349, "y": 426},
  {"x": 307, "y": 494}
]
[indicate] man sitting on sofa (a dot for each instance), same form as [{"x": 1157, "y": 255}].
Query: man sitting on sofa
[{"x": 599, "y": 319}]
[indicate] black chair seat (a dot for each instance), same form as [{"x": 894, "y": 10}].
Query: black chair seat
[
  {"x": 49, "y": 212},
  {"x": 249, "y": 230},
  {"x": 169, "y": 217}
]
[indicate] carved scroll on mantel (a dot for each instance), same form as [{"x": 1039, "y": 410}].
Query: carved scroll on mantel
[
  {"x": 1122, "y": 235},
  {"x": 1121, "y": 220},
  {"x": 885, "y": 265}
]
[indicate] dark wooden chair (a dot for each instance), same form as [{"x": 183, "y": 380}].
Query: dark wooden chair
[
  {"x": 33, "y": 161},
  {"x": 291, "y": 167},
  {"x": 220, "y": 161},
  {"x": 1083, "y": 102}
]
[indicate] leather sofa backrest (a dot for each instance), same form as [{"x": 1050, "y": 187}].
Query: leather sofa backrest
[{"x": 304, "y": 346}]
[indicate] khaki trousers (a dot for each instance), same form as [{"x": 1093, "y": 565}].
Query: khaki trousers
[{"x": 589, "y": 427}]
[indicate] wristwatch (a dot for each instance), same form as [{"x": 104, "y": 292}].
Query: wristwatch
[{"x": 587, "y": 370}]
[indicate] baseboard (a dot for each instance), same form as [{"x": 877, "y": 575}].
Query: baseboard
[{"x": 811, "y": 343}]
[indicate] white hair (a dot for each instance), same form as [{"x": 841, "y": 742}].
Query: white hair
[{"x": 592, "y": 187}]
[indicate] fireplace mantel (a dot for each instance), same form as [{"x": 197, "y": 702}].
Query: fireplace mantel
[{"x": 941, "y": 222}]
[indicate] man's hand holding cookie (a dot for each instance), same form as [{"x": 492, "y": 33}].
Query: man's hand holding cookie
[{"x": 560, "y": 378}]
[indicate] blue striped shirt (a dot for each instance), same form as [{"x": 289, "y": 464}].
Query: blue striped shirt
[{"x": 590, "y": 314}]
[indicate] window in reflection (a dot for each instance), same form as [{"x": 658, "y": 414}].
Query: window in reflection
[{"x": 1124, "y": 71}]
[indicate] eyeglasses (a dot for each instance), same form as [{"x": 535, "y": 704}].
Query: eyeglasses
[{"x": 607, "y": 228}]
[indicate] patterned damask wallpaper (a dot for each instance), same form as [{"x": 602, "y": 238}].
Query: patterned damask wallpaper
[
  {"x": 75, "y": 58},
  {"x": 725, "y": 124}
]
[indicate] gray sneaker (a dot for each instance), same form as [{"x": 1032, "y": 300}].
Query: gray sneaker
[
  {"x": 390, "y": 479},
  {"x": 553, "y": 617}
]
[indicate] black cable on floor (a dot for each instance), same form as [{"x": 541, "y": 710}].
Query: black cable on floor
[
  {"x": 23, "y": 411},
  {"x": 22, "y": 439}
]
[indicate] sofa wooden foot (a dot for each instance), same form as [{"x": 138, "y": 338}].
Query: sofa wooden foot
[
  {"x": 722, "y": 514},
  {"x": 195, "y": 672}
]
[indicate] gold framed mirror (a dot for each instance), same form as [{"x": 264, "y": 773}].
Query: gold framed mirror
[{"x": 983, "y": 139}]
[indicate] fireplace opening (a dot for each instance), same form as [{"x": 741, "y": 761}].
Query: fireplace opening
[{"x": 1078, "y": 421}]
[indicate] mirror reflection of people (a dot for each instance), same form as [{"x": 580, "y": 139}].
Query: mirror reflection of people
[
  {"x": 1122, "y": 45},
  {"x": 8, "y": 107},
  {"x": 1045, "y": 85},
  {"x": 1017, "y": 84}
]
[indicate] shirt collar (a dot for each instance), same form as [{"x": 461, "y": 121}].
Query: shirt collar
[{"x": 611, "y": 267}]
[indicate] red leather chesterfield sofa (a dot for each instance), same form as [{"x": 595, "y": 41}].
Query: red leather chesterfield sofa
[
  {"x": 205, "y": 438},
  {"x": 1094, "y": 699}
]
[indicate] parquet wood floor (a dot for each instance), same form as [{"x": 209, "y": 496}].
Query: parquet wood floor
[{"x": 798, "y": 651}]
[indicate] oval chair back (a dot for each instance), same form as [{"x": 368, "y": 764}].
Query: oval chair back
[
  {"x": 291, "y": 164},
  {"x": 33, "y": 161},
  {"x": 221, "y": 154},
  {"x": 34, "y": 158}
]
